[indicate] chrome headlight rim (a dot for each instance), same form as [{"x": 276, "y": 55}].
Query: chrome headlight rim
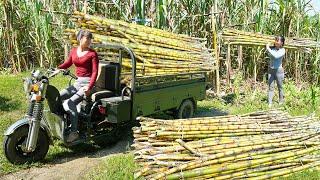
[{"x": 27, "y": 85}]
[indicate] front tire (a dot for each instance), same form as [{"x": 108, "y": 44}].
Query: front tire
[{"x": 13, "y": 146}]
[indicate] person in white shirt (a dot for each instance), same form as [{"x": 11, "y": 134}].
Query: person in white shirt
[{"x": 275, "y": 70}]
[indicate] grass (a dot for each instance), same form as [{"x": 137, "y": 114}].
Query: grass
[
  {"x": 114, "y": 167},
  {"x": 307, "y": 174},
  {"x": 12, "y": 105},
  {"x": 300, "y": 100}
]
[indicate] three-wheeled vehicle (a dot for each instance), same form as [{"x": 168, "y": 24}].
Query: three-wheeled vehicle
[{"x": 112, "y": 106}]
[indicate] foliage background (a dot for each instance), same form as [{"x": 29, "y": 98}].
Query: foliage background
[{"x": 31, "y": 32}]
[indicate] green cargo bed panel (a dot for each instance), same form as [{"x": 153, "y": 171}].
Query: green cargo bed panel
[{"x": 157, "y": 100}]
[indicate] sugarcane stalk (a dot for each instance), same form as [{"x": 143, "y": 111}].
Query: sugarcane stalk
[
  {"x": 234, "y": 166},
  {"x": 285, "y": 171},
  {"x": 193, "y": 151}
]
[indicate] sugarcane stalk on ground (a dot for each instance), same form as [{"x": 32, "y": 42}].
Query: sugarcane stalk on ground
[{"x": 278, "y": 144}]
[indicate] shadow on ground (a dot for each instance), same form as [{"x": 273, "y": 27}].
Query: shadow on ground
[
  {"x": 7, "y": 104},
  {"x": 91, "y": 150},
  {"x": 200, "y": 112},
  {"x": 229, "y": 98},
  {"x": 209, "y": 112}
]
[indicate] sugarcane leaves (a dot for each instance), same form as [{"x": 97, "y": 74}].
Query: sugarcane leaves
[
  {"x": 314, "y": 96},
  {"x": 188, "y": 5},
  {"x": 305, "y": 7},
  {"x": 140, "y": 11},
  {"x": 174, "y": 29},
  {"x": 262, "y": 15},
  {"x": 306, "y": 50},
  {"x": 162, "y": 13},
  {"x": 117, "y": 4}
]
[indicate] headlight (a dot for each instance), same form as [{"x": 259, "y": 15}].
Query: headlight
[
  {"x": 36, "y": 74},
  {"x": 27, "y": 85}
]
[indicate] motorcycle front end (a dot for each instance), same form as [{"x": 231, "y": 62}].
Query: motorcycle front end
[{"x": 28, "y": 139}]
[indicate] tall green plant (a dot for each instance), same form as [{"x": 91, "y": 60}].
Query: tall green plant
[
  {"x": 162, "y": 13},
  {"x": 140, "y": 11},
  {"x": 29, "y": 36}
]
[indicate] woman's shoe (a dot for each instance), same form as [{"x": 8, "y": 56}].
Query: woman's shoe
[{"x": 72, "y": 137}]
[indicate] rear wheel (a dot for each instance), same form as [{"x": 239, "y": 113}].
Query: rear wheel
[
  {"x": 109, "y": 136},
  {"x": 13, "y": 146},
  {"x": 186, "y": 110}
]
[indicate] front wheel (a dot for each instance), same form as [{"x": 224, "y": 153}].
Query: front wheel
[{"x": 13, "y": 146}]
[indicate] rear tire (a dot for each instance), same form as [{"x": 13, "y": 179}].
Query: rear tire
[
  {"x": 186, "y": 110},
  {"x": 15, "y": 154},
  {"x": 109, "y": 138}
]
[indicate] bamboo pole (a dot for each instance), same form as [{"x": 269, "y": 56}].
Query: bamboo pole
[
  {"x": 215, "y": 46},
  {"x": 254, "y": 65},
  {"x": 228, "y": 65},
  {"x": 240, "y": 57}
]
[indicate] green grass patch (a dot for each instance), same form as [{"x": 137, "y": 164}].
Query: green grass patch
[
  {"x": 114, "y": 167},
  {"x": 302, "y": 100},
  {"x": 311, "y": 174},
  {"x": 12, "y": 105}
]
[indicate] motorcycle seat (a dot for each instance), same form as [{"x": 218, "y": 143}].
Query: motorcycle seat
[{"x": 101, "y": 94}]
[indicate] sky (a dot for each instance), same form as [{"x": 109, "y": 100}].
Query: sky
[{"x": 316, "y": 5}]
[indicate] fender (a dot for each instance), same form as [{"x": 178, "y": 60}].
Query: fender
[{"x": 25, "y": 121}]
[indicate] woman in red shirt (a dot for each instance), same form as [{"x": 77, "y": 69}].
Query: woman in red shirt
[{"x": 86, "y": 61}]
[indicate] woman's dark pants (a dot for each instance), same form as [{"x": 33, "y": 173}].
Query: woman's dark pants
[{"x": 278, "y": 76}]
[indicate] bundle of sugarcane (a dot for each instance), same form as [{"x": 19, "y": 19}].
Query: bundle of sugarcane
[
  {"x": 232, "y": 36},
  {"x": 157, "y": 51},
  {"x": 257, "y": 145}
]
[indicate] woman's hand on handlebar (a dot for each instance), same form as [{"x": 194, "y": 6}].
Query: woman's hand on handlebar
[{"x": 86, "y": 91}]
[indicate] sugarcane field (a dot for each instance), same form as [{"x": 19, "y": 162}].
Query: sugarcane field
[{"x": 160, "y": 89}]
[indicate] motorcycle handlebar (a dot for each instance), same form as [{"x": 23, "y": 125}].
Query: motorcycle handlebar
[{"x": 65, "y": 72}]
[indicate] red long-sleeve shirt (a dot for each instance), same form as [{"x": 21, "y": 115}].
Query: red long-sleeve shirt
[{"x": 86, "y": 66}]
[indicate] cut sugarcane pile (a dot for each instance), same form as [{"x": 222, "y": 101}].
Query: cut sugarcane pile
[
  {"x": 157, "y": 51},
  {"x": 256, "y": 146},
  {"x": 232, "y": 36}
]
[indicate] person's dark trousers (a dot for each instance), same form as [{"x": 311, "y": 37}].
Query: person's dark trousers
[{"x": 278, "y": 76}]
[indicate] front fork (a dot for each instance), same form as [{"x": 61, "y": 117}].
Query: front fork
[
  {"x": 34, "y": 126},
  {"x": 35, "y": 114}
]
